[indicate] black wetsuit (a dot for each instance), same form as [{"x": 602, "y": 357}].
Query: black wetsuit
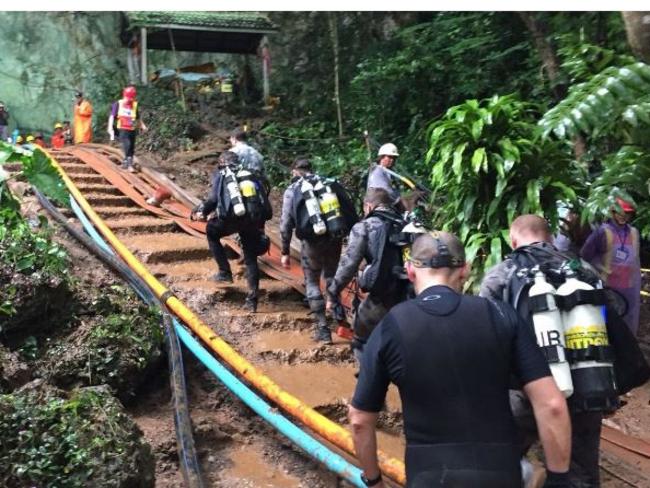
[{"x": 452, "y": 358}]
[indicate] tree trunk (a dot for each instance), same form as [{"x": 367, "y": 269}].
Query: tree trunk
[
  {"x": 539, "y": 31},
  {"x": 637, "y": 28},
  {"x": 334, "y": 33}
]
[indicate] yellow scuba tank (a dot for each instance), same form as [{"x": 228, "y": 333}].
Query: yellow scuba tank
[
  {"x": 549, "y": 330},
  {"x": 313, "y": 208},
  {"x": 330, "y": 208},
  {"x": 234, "y": 193},
  {"x": 249, "y": 192},
  {"x": 587, "y": 345}
]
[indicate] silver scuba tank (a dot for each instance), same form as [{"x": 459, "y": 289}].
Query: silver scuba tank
[
  {"x": 232, "y": 186},
  {"x": 313, "y": 207},
  {"x": 549, "y": 330}
]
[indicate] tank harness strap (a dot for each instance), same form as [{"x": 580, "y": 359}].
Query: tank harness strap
[
  {"x": 603, "y": 354},
  {"x": 540, "y": 303},
  {"x": 554, "y": 354},
  {"x": 581, "y": 297}
]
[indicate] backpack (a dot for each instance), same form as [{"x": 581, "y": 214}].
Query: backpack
[
  {"x": 550, "y": 263},
  {"x": 258, "y": 207},
  {"x": 630, "y": 367},
  {"x": 304, "y": 228},
  {"x": 385, "y": 271}
]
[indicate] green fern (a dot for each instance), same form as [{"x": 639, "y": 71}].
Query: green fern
[{"x": 616, "y": 93}]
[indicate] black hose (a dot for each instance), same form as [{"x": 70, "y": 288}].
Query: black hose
[{"x": 182, "y": 420}]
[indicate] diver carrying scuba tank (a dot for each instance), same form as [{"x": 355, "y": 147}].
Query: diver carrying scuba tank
[{"x": 306, "y": 213}]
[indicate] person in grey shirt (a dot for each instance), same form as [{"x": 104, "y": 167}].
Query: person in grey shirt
[
  {"x": 534, "y": 231},
  {"x": 249, "y": 157},
  {"x": 379, "y": 177}
]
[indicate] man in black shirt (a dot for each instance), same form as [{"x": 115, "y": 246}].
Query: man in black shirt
[{"x": 452, "y": 357}]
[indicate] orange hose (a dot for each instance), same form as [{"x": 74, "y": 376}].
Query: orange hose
[{"x": 333, "y": 432}]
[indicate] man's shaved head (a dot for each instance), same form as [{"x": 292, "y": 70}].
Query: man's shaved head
[
  {"x": 427, "y": 247},
  {"x": 527, "y": 229}
]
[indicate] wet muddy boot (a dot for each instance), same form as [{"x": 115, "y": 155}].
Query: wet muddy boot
[
  {"x": 250, "y": 304},
  {"x": 222, "y": 277},
  {"x": 323, "y": 333}
]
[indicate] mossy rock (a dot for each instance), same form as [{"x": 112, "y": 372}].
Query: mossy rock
[
  {"x": 77, "y": 439},
  {"x": 118, "y": 343},
  {"x": 13, "y": 372},
  {"x": 39, "y": 301}
]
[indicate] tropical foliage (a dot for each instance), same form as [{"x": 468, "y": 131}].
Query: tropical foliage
[
  {"x": 615, "y": 95},
  {"x": 489, "y": 164},
  {"x": 24, "y": 249}
]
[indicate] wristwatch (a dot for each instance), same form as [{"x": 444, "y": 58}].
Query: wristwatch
[{"x": 371, "y": 482}]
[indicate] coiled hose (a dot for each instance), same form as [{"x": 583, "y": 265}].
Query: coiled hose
[{"x": 185, "y": 442}]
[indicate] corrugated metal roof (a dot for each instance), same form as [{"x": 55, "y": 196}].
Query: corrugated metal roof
[{"x": 240, "y": 21}]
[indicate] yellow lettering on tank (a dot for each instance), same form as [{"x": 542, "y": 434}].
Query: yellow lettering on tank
[
  {"x": 406, "y": 253},
  {"x": 329, "y": 203},
  {"x": 581, "y": 337},
  {"x": 247, "y": 188}
]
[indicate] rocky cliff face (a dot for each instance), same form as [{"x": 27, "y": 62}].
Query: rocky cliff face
[{"x": 46, "y": 56}]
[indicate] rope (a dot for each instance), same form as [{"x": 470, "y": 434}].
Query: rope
[{"x": 325, "y": 139}]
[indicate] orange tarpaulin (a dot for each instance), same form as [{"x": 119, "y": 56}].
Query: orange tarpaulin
[{"x": 82, "y": 122}]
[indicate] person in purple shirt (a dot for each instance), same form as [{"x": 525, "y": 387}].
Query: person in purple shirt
[{"x": 613, "y": 249}]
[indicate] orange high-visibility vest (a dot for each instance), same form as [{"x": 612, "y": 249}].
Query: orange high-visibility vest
[{"x": 126, "y": 116}]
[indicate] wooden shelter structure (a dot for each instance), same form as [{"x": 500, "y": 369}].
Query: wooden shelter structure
[{"x": 214, "y": 32}]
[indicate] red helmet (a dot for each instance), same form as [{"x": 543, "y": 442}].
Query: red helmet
[
  {"x": 129, "y": 93},
  {"x": 625, "y": 206}
]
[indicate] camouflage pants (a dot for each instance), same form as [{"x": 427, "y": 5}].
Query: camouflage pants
[{"x": 319, "y": 258}]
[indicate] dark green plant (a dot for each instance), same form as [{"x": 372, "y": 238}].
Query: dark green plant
[
  {"x": 76, "y": 442},
  {"x": 489, "y": 164},
  {"x": 23, "y": 249}
]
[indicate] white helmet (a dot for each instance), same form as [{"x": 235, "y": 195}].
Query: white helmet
[{"x": 389, "y": 149}]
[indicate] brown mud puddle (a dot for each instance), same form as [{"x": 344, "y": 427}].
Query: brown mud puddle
[
  {"x": 250, "y": 469},
  {"x": 321, "y": 384}
]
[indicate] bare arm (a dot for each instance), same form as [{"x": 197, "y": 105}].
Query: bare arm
[
  {"x": 365, "y": 441},
  {"x": 553, "y": 422}
]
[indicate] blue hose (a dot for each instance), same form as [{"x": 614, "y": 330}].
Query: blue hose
[
  {"x": 88, "y": 226},
  {"x": 314, "y": 448}
]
